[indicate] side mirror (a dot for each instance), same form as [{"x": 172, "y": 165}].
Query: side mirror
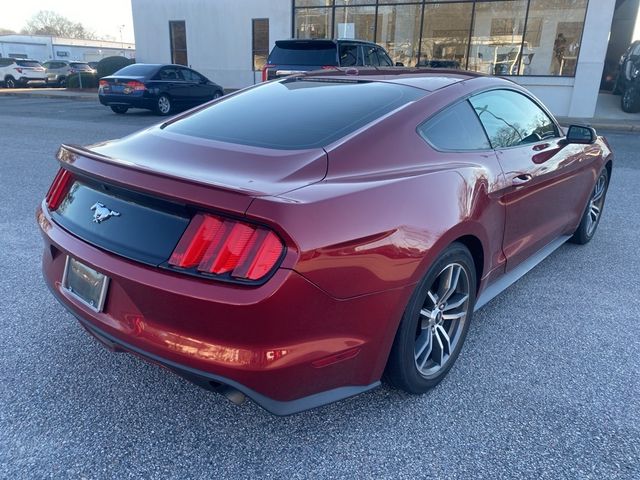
[
  {"x": 399, "y": 64},
  {"x": 581, "y": 134}
]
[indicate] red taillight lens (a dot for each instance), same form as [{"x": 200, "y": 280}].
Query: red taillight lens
[
  {"x": 222, "y": 246},
  {"x": 135, "y": 85},
  {"x": 265, "y": 71},
  {"x": 19, "y": 70},
  {"x": 103, "y": 83},
  {"x": 59, "y": 189}
]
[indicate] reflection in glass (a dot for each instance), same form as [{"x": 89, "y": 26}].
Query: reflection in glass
[
  {"x": 313, "y": 23},
  {"x": 445, "y": 35},
  {"x": 552, "y": 40},
  {"x": 355, "y": 23},
  {"x": 399, "y": 32},
  {"x": 496, "y": 39}
]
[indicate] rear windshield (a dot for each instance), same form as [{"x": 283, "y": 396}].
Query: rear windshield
[
  {"x": 137, "y": 70},
  {"x": 296, "y": 113},
  {"x": 84, "y": 66},
  {"x": 27, "y": 63},
  {"x": 307, "y": 54}
]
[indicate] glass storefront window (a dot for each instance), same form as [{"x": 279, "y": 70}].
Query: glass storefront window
[
  {"x": 490, "y": 36},
  {"x": 552, "y": 40},
  {"x": 496, "y": 38},
  {"x": 313, "y": 23},
  {"x": 445, "y": 35},
  {"x": 399, "y": 32},
  {"x": 355, "y": 23}
]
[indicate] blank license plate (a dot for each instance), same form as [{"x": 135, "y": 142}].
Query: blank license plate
[{"x": 85, "y": 284}]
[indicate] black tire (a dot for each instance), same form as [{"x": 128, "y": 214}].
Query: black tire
[
  {"x": 630, "y": 100},
  {"x": 10, "y": 82},
  {"x": 589, "y": 224},
  {"x": 164, "y": 106},
  {"x": 217, "y": 95},
  {"x": 403, "y": 370},
  {"x": 62, "y": 82},
  {"x": 119, "y": 109}
]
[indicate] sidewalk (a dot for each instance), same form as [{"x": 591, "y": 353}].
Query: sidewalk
[
  {"x": 83, "y": 95},
  {"x": 609, "y": 116}
]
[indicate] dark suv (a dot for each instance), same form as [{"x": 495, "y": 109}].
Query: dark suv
[
  {"x": 296, "y": 56},
  {"x": 628, "y": 79}
]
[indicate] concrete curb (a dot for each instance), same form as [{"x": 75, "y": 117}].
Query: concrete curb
[{"x": 82, "y": 97}]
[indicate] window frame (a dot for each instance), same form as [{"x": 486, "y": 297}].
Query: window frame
[
  {"x": 267, "y": 50},
  {"x": 173, "y": 50},
  {"x": 465, "y": 98}
]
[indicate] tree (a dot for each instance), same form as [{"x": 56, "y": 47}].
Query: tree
[{"x": 46, "y": 22}]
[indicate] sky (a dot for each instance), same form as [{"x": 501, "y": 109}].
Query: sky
[{"x": 102, "y": 18}]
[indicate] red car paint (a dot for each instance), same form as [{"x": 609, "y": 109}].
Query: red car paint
[{"x": 362, "y": 220}]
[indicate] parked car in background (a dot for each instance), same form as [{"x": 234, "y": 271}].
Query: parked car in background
[
  {"x": 298, "y": 240},
  {"x": 628, "y": 79},
  {"x": 59, "y": 70},
  {"x": 296, "y": 56},
  {"x": 94, "y": 66},
  {"x": 21, "y": 72},
  {"x": 160, "y": 88}
]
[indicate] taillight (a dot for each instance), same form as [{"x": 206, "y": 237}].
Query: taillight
[
  {"x": 265, "y": 71},
  {"x": 19, "y": 70},
  {"x": 329, "y": 67},
  {"x": 225, "y": 247},
  {"x": 103, "y": 83},
  {"x": 72, "y": 70},
  {"x": 59, "y": 188},
  {"x": 135, "y": 85}
]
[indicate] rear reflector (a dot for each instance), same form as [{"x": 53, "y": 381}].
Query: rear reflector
[
  {"x": 59, "y": 188},
  {"x": 221, "y": 246}
]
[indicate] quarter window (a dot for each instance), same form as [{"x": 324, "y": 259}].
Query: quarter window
[
  {"x": 348, "y": 55},
  {"x": 456, "y": 128},
  {"x": 511, "y": 119}
]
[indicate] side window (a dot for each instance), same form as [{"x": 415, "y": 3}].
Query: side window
[
  {"x": 512, "y": 119},
  {"x": 348, "y": 55},
  {"x": 169, "y": 73},
  {"x": 456, "y": 128},
  {"x": 370, "y": 56},
  {"x": 383, "y": 58}
]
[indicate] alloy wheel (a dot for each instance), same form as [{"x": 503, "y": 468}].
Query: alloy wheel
[
  {"x": 164, "y": 105},
  {"x": 442, "y": 319},
  {"x": 595, "y": 204},
  {"x": 11, "y": 83}
]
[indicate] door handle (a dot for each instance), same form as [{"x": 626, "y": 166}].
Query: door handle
[{"x": 521, "y": 179}]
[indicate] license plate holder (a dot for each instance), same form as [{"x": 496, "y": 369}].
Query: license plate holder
[{"x": 85, "y": 284}]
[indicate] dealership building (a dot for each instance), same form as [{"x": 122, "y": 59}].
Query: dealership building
[{"x": 556, "y": 48}]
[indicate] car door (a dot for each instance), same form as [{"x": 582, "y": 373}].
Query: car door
[
  {"x": 546, "y": 180},
  {"x": 370, "y": 56},
  {"x": 199, "y": 89},
  {"x": 173, "y": 84}
]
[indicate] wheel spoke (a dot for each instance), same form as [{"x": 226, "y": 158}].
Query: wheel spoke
[
  {"x": 425, "y": 313},
  {"x": 444, "y": 336},
  {"x": 451, "y": 277},
  {"x": 453, "y": 316},
  {"x": 433, "y": 298},
  {"x": 456, "y": 303},
  {"x": 424, "y": 345}
]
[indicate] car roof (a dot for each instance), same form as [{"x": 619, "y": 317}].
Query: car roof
[
  {"x": 320, "y": 41},
  {"x": 428, "y": 79}
]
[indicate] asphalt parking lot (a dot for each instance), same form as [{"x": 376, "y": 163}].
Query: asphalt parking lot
[{"x": 547, "y": 385}]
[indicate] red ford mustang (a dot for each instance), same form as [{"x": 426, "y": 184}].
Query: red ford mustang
[{"x": 299, "y": 240}]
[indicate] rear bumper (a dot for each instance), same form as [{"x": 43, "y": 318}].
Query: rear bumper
[
  {"x": 32, "y": 80},
  {"x": 127, "y": 100},
  {"x": 287, "y": 345}
]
